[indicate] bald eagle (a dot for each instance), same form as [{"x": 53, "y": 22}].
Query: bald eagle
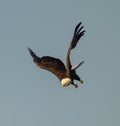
[{"x": 66, "y": 74}]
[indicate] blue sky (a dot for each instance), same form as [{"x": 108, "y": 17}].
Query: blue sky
[{"x": 31, "y": 96}]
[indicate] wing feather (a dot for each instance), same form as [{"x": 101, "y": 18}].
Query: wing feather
[
  {"x": 78, "y": 33},
  {"x": 53, "y": 65}
]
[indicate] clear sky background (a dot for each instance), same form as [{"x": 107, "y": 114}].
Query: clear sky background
[{"x": 30, "y": 96}]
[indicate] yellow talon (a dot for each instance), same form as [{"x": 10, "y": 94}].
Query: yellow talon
[
  {"x": 81, "y": 81},
  {"x": 75, "y": 86}
]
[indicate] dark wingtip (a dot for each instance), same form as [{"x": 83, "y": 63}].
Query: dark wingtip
[
  {"x": 31, "y": 53},
  {"x": 79, "y": 24}
]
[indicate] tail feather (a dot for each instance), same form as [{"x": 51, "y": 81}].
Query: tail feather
[{"x": 76, "y": 66}]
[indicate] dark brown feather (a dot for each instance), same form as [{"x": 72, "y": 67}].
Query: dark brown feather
[
  {"x": 53, "y": 65},
  {"x": 76, "y": 37}
]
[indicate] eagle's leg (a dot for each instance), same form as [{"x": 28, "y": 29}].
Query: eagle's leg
[
  {"x": 74, "y": 85},
  {"x": 78, "y": 79}
]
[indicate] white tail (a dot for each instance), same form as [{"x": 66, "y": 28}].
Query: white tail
[{"x": 76, "y": 66}]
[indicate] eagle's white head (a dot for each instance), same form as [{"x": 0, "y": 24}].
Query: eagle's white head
[{"x": 66, "y": 82}]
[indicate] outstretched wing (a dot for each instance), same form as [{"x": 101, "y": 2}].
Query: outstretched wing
[
  {"x": 78, "y": 33},
  {"x": 51, "y": 64}
]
